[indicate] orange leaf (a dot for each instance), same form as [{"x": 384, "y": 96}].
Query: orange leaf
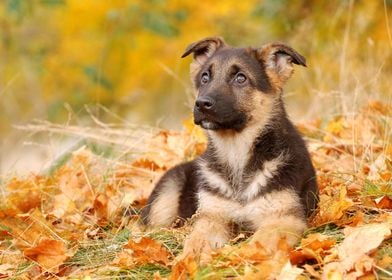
[
  {"x": 50, "y": 254},
  {"x": 101, "y": 206},
  {"x": 303, "y": 255},
  {"x": 384, "y": 202},
  {"x": 146, "y": 250},
  {"x": 317, "y": 241},
  {"x": 184, "y": 269}
]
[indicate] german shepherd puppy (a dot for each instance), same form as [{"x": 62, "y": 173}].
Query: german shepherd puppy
[{"x": 256, "y": 170}]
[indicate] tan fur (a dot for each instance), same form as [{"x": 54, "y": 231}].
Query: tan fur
[
  {"x": 210, "y": 231},
  {"x": 214, "y": 43},
  {"x": 279, "y": 203},
  {"x": 278, "y": 69},
  {"x": 234, "y": 148},
  {"x": 273, "y": 211},
  {"x": 275, "y": 228},
  {"x": 164, "y": 210}
]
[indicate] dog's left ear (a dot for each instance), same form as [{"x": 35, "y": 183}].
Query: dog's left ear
[
  {"x": 204, "y": 49},
  {"x": 278, "y": 60}
]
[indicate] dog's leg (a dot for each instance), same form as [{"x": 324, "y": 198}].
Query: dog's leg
[
  {"x": 162, "y": 206},
  {"x": 278, "y": 216},
  {"x": 210, "y": 231},
  {"x": 211, "y": 228},
  {"x": 166, "y": 203},
  {"x": 275, "y": 229}
]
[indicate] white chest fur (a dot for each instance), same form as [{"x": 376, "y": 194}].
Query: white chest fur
[{"x": 243, "y": 192}]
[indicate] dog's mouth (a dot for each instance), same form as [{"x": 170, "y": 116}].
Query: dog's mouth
[
  {"x": 209, "y": 125},
  {"x": 233, "y": 120}
]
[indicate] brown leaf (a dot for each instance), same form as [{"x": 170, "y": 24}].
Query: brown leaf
[
  {"x": 146, "y": 250},
  {"x": 50, "y": 254}
]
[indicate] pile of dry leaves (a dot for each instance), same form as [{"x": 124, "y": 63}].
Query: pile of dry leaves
[{"x": 80, "y": 222}]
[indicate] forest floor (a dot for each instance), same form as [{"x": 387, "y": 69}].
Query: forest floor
[{"x": 78, "y": 218}]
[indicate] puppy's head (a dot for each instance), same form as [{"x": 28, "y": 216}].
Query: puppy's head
[{"x": 237, "y": 86}]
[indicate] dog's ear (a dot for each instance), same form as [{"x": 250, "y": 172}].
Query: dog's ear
[
  {"x": 278, "y": 61},
  {"x": 204, "y": 49}
]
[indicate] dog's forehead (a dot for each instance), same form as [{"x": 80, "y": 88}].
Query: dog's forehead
[{"x": 234, "y": 56}]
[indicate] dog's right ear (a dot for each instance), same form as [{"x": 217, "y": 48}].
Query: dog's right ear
[
  {"x": 204, "y": 49},
  {"x": 278, "y": 60}
]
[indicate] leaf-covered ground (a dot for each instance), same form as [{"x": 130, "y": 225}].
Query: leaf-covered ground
[{"x": 78, "y": 220}]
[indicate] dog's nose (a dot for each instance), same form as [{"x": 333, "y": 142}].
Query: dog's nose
[{"x": 205, "y": 103}]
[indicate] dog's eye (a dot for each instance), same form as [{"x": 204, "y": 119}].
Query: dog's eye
[
  {"x": 205, "y": 78},
  {"x": 240, "y": 78}
]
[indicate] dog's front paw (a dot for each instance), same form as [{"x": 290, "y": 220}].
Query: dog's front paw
[
  {"x": 205, "y": 237},
  {"x": 196, "y": 244},
  {"x": 279, "y": 233}
]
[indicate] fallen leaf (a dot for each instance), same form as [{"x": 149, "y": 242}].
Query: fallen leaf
[
  {"x": 333, "y": 207},
  {"x": 100, "y": 206},
  {"x": 6, "y": 270},
  {"x": 384, "y": 202},
  {"x": 318, "y": 241},
  {"x": 289, "y": 272},
  {"x": 146, "y": 250},
  {"x": 359, "y": 242},
  {"x": 303, "y": 255},
  {"x": 184, "y": 269},
  {"x": 314, "y": 247},
  {"x": 310, "y": 269},
  {"x": 49, "y": 254}
]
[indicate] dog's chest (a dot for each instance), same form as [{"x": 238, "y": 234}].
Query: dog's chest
[
  {"x": 239, "y": 187},
  {"x": 274, "y": 203}
]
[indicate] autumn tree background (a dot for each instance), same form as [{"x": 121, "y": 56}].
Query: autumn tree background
[
  {"x": 96, "y": 104},
  {"x": 59, "y": 55}
]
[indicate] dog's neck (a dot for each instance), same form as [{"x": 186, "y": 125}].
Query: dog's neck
[{"x": 234, "y": 150}]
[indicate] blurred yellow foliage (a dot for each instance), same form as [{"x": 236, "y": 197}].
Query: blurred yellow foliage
[{"x": 126, "y": 54}]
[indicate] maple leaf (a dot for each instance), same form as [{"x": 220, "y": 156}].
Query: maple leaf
[{"x": 49, "y": 254}]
